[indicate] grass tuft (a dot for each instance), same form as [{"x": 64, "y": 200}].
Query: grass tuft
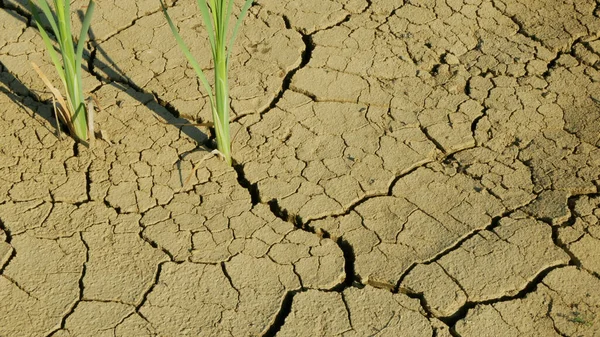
[
  {"x": 215, "y": 14},
  {"x": 72, "y": 111}
]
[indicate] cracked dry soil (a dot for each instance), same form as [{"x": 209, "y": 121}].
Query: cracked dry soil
[{"x": 403, "y": 168}]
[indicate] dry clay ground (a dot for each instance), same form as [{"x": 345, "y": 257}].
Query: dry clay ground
[{"x": 416, "y": 168}]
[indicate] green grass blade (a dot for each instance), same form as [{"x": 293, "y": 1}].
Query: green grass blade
[
  {"x": 87, "y": 19},
  {"x": 238, "y": 23},
  {"x": 208, "y": 22},
  {"x": 50, "y": 48},
  {"x": 223, "y": 20},
  {"x": 63, "y": 13},
  {"x": 189, "y": 56},
  {"x": 48, "y": 13}
]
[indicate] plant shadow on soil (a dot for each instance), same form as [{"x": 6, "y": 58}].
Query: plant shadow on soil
[{"x": 166, "y": 112}]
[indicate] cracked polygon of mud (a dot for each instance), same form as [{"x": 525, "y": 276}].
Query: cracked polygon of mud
[
  {"x": 263, "y": 54},
  {"x": 112, "y": 254},
  {"x": 547, "y": 21},
  {"x": 355, "y": 312},
  {"x": 583, "y": 236},
  {"x": 92, "y": 318},
  {"x": 493, "y": 264},
  {"x": 40, "y": 284},
  {"x": 427, "y": 213},
  {"x": 565, "y": 303},
  {"x": 134, "y": 201},
  {"x": 315, "y": 15},
  {"x": 319, "y": 158}
]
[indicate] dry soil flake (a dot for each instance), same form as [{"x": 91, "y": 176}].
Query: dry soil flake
[
  {"x": 582, "y": 237},
  {"x": 355, "y": 312},
  {"x": 427, "y": 213},
  {"x": 240, "y": 297},
  {"x": 40, "y": 284},
  {"x": 490, "y": 265},
  {"x": 319, "y": 158},
  {"x": 565, "y": 303}
]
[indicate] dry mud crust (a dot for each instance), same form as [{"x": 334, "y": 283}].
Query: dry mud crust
[
  {"x": 118, "y": 235},
  {"x": 357, "y": 312},
  {"x": 565, "y": 303},
  {"x": 449, "y": 148}
]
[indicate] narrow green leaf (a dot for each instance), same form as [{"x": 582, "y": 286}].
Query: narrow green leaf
[
  {"x": 48, "y": 13},
  {"x": 189, "y": 56},
  {"x": 50, "y": 47},
  {"x": 238, "y": 23},
  {"x": 85, "y": 26},
  {"x": 208, "y": 22}
]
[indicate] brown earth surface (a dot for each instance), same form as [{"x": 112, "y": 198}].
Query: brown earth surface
[{"x": 403, "y": 168}]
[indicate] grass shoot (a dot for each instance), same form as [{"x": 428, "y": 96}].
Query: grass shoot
[
  {"x": 73, "y": 111},
  {"x": 216, "y": 15}
]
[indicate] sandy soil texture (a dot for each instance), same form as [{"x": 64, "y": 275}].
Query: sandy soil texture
[{"x": 403, "y": 168}]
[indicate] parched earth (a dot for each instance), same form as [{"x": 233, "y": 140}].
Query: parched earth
[{"x": 402, "y": 168}]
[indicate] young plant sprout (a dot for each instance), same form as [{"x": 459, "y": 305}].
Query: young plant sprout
[
  {"x": 215, "y": 14},
  {"x": 73, "y": 111}
]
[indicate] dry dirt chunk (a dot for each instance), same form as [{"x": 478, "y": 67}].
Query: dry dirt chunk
[
  {"x": 355, "y": 312},
  {"x": 502, "y": 174},
  {"x": 311, "y": 16},
  {"x": 355, "y": 62},
  {"x": 189, "y": 299},
  {"x": 556, "y": 24},
  {"x": 40, "y": 285},
  {"x": 427, "y": 213},
  {"x": 583, "y": 236},
  {"x": 241, "y": 298},
  {"x": 264, "y": 53},
  {"x": 120, "y": 267},
  {"x": 318, "y": 158},
  {"x": 35, "y": 166},
  {"x": 316, "y": 313},
  {"x": 493, "y": 264},
  {"x": 565, "y": 303},
  {"x": 91, "y": 319},
  {"x": 550, "y": 206},
  {"x": 552, "y": 130}
]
